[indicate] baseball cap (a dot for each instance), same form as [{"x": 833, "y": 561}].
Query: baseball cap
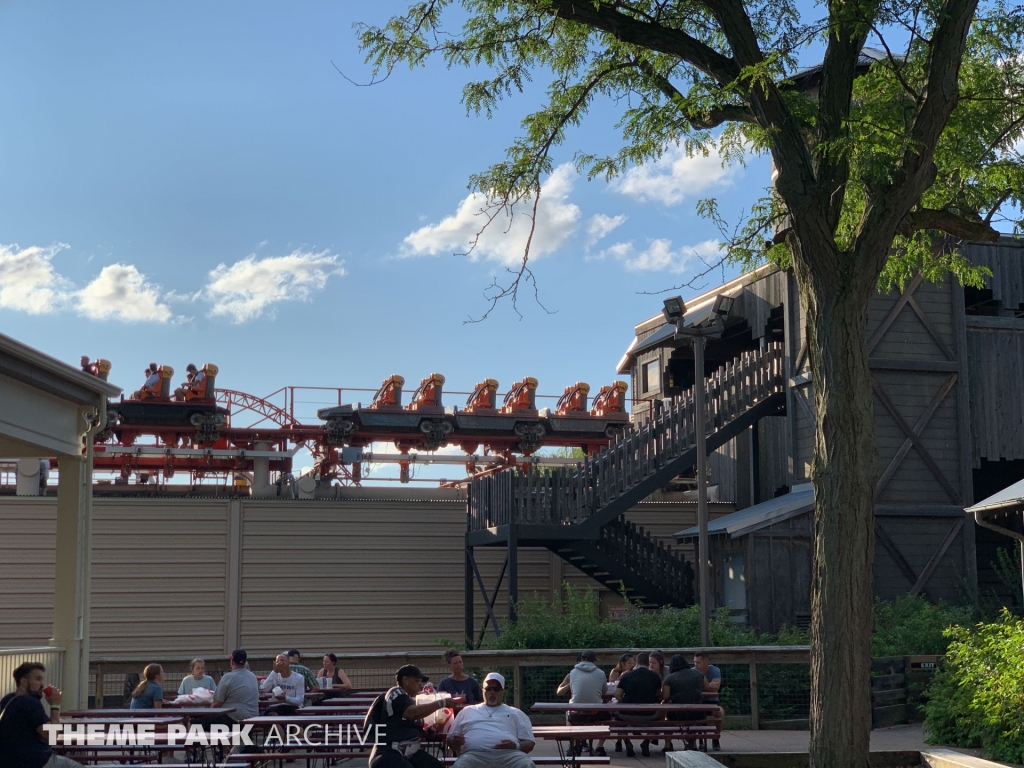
[
  {"x": 411, "y": 670},
  {"x": 239, "y": 657},
  {"x": 293, "y": 652},
  {"x": 495, "y": 676}
]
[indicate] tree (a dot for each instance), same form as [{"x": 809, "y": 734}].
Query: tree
[{"x": 881, "y": 162}]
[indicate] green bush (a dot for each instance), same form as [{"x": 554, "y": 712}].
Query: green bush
[
  {"x": 575, "y": 622},
  {"x": 978, "y": 699},
  {"x": 903, "y": 627},
  {"x": 910, "y": 625}
]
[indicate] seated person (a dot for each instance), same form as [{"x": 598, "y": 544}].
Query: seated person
[
  {"x": 295, "y": 660},
  {"x": 639, "y": 686},
  {"x": 340, "y": 684},
  {"x": 586, "y": 684},
  {"x": 492, "y": 733},
  {"x": 287, "y": 687},
  {"x": 23, "y": 741},
  {"x": 239, "y": 689},
  {"x": 197, "y": 679},
  {"x": 149, "y": 694},
  {"x": 683, "y": 685},
  {"x": 401, "y": 732},
  {"x": 458, "y": 683},
  {"x": 151, "y": 388},
  {"x": 713, "y": 684}
]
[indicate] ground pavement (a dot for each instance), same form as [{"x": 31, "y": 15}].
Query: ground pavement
[{"x": 897, "y": 738}]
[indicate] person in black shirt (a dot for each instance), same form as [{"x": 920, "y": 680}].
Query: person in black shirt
[
  {"x": 458, "y": 683},
  {"x": 640, "y": 685},
  {"x": 398, "y": 712},
  {"x": 23, "y": 742},
  {"x": 683, "y": 685}
]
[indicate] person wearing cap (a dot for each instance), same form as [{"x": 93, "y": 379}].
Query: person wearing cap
[
  {"x": 398, "y": 743},
  {"x": 492, "y": 733},
  {"x": 295, "y": 660}
]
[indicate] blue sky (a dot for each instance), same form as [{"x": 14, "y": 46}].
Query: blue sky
[{"x": 191, "y": 182}]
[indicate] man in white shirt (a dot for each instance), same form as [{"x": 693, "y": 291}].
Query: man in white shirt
[
  {"x": 290, "y": 687},
  {"x": 492, "y": 733}
]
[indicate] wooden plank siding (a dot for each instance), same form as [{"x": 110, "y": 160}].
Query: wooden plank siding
[{"x": 996, "y": 358}]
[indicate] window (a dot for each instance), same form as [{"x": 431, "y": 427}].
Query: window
[
  {"x": 734, "y": 582},
  {"x": 651, "y": 376}
]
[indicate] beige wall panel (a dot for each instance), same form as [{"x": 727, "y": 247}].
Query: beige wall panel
[
  {"x": 28, "y": 530},
  {"x": 159, "y": 576},
  {"x": 351, "y": 575}
]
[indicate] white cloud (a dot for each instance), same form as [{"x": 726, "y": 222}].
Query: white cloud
[
  {"x": 675, "y": 176},
  {"x": 601, "y": 225},
  {"x": 249, "y": 287},
  {"x": 659, "y": 256},
  {"x": 503, "y": 241},
  {"x": 28, "y": 281},
  {"x": 121, "y": 292}
]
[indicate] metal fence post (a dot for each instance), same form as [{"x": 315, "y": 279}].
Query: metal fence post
[
  {"x": 517, "y": 686},
  {"x": 755, "y": 717},
  {"x": 99, "y": 687}
]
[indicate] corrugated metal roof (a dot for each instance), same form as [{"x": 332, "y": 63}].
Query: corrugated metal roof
[
  {"x": 797, "y": 502},
  {"x": 1012, "y": 496}
]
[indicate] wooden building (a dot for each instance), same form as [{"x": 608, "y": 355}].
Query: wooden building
[{"x": 947, "y": 368}]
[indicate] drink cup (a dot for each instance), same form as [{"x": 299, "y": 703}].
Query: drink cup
[
  {"x": 48, "y": 690},
  {"x": 326, "y": 683},
  {"x": 278, "y": 690}
]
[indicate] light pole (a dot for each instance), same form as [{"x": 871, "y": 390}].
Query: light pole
[{"x": 712, "y": 327}]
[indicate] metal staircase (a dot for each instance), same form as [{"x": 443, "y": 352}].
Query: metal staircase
[{"x": 575, "y": 512}]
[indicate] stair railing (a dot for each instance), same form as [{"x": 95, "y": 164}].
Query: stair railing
[{"x": 568, "y": 496}]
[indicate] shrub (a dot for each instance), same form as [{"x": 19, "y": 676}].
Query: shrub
[
  {"x": 911, "y": 625},
  {"x": 575, "y": 622},
  {"x": 977, "y": 700}
]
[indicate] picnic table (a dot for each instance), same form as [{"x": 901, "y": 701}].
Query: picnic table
[
  {"x": 570, "y": 735},
  {"x": 697, "y": 730},
  {"x": 180, "y": 712}
]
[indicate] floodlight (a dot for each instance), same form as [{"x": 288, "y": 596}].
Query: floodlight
[
  {"x": 673, "y": 309},
  {"x": 723, "y": 305}
]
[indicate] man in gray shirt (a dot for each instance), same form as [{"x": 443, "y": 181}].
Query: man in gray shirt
[{"x": 239, "y": 689}]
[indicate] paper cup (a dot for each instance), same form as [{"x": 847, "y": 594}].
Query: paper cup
[{"x": 326, "y": 683}]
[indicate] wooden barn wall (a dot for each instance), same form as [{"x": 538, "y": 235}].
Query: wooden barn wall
[
  {"x": 724, "y": 470},
  {"x": 996, "y": 359},
  {"x": 773, "y": 456},
  {"x": 778, "y": 573},
  {"x": 372, "y": 571},
  {"x": 1006, "y": 260},
  {"x": 919, "y": 366},
  {"x": 758, "y": 298}
]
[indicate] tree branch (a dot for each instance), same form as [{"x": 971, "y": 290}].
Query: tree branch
[
  {"x": 948, "y": 222},
  {"x": 707, "y": 119},
  {"x": 916, "y": 170},
  {"x": 655, "y": 37}
]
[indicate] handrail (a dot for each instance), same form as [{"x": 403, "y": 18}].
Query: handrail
[{"x": 569, "y": 496}]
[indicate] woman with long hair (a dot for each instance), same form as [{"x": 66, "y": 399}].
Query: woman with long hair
[
  {"x": 625, "y": 663},
  {"x": 340, "y": 684},
  {"x": 149, "y": 694}
]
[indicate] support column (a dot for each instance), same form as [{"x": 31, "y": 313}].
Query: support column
[
  {"x": 233, "y": 586},
  {"x": 700, "y": 421},
  {"x": 72, "y": 575},
  {"x": 261, "y": 472},
  {"x": 469, "y": 597},
  {"x": 513, "y": 572}
]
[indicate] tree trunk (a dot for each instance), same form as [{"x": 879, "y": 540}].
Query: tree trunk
[{"x": 844, "y": 473}]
